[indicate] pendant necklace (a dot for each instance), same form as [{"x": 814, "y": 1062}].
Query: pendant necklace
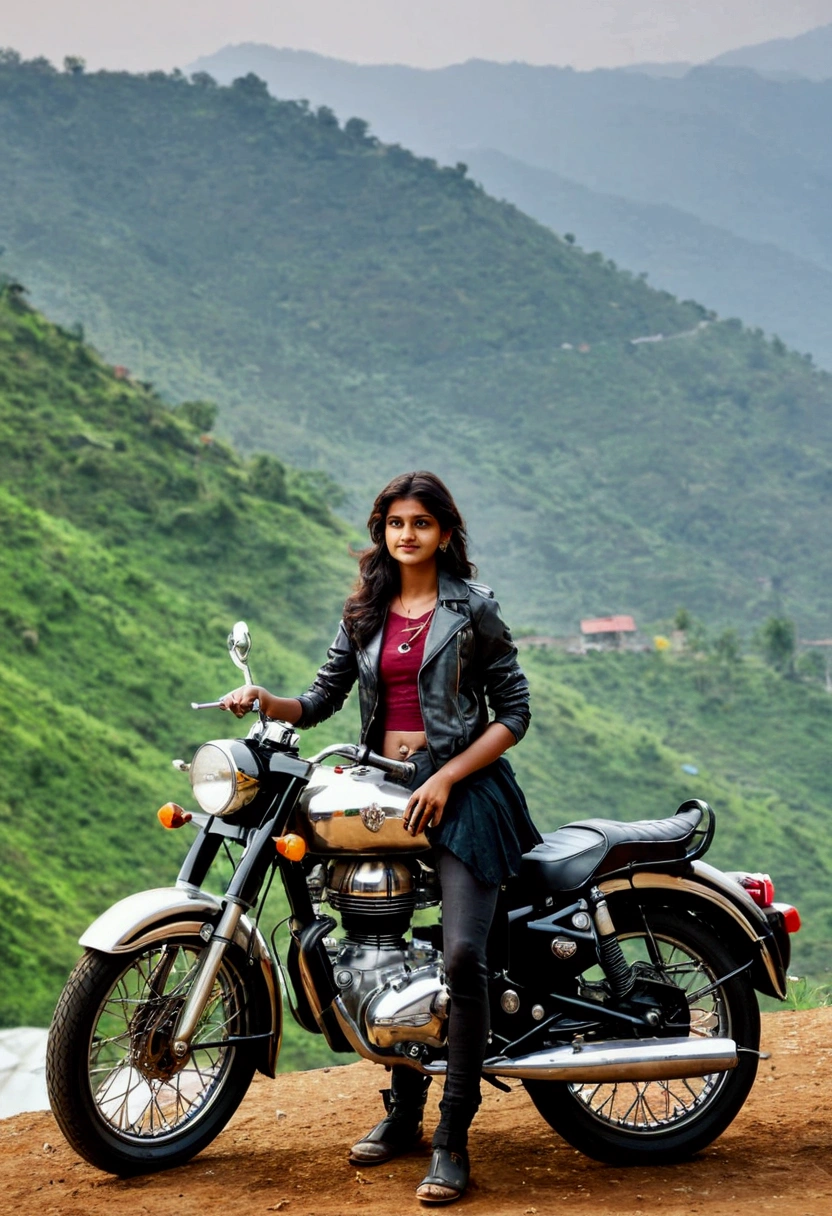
[{"x": 414, "y": 631}]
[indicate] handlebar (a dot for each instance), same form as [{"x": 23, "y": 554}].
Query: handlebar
[
  {"x": 359, "y": 753},
  {"x": 255, "y": 708},
  {"x": 405, "y": 770}
]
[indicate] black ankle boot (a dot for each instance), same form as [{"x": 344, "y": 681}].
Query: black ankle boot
[{"x": 401, "y": 1128}]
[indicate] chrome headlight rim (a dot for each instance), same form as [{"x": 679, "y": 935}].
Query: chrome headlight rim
[{"x": 225, "y": 781}]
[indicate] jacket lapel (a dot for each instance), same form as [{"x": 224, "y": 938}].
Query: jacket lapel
[
  {"x": 370, "y": 655},
  {"x": 446, "y": 622},
  {"x": 447, "y": 619}
]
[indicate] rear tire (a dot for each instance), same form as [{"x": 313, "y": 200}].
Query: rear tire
[
  {"x": 660, "y": 1122},
  {"x": 120, "y": 1098}
]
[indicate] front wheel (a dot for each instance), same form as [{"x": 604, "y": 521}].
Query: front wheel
[
  {"x": 121, "y": 1098},
  {"x": 659, "y": 1122}
]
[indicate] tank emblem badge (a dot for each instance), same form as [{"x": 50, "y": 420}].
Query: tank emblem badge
[
  {"x": 373, "y": 817},
  {"x": 562, "y": 947}
]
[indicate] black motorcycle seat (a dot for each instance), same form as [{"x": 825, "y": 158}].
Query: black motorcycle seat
[{"x": 568, "y": 858}]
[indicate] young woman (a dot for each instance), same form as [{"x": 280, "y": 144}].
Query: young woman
[{"x": 431, "y": 655}]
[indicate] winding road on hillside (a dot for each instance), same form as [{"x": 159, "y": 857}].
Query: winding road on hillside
[{"x": 285, "y": 1151}]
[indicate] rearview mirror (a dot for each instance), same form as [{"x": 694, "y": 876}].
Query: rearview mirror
[{"x": 239, "y": 645}]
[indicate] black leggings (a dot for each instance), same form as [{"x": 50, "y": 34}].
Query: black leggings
[{"x": 467, "y": 912}]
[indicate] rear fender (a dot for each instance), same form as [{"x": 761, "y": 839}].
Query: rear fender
[
  {"x": 182, "y": 911},
  {"x": 710, "y": 894}
]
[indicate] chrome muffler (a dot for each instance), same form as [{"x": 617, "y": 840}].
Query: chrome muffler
[{"x": 616, "y": 1060}]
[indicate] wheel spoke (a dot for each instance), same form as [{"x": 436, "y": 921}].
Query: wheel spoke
[
  {"x": 655, "y": 1105},
  {"x": 137, "y": 1086}
]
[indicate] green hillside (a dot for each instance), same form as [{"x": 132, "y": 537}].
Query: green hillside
[
  {"x": 355, "y": 309},
  {"x": 131, "y": 539},
  {"x": 610, "y": 733},
  {"x": 766, "y": 286}
]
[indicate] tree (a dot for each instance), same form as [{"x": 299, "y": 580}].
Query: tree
[
  {"x": 357, "y": 129},
  {"x": 727, "y": 647},
  {"x": 267, "y": 477},
  {"x": 74, "y": 65},
  {"x": 682, "y": 620},
  {"x": 778, "y": 637},
  {"x": 201, "y": 414},
  {"x": 326, "y": 117},
  {"x": 251, "y": 86}
]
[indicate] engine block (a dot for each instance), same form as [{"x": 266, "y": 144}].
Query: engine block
[{"x": 394, "y": 995}]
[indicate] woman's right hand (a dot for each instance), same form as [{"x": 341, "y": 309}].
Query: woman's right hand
[{"x": 241, "y": 700}]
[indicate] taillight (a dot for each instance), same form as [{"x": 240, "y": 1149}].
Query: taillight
[
  {"x": 791, "y": 917},
  {"x": 759, "y": 887}
]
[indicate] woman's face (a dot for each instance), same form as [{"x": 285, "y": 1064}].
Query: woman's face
[{"x": 411, "y": 533}]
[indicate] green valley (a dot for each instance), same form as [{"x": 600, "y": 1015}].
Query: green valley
[{"x": 132, "y": 538}]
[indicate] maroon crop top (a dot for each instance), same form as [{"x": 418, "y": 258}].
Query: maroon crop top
[{"x": 399, "y": 672}]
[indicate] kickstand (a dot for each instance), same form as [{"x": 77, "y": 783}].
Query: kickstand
[{"x": 496, "y": 1082}]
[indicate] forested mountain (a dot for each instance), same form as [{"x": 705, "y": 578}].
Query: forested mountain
[
  {"x": 777, "y": 290},
  {"x": 359, "y": 310},
  {"x": 746, "y": 157},
  {"x": 131, "y": 538},
  {"x": 737, "y": 150}
]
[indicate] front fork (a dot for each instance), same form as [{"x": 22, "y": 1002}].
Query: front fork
[
  {"x": 242, "y": 894},
  {"x": 207, "y": 972}
]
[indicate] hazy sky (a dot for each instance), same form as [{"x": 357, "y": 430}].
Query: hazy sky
[{"x": 142, "y": 34}]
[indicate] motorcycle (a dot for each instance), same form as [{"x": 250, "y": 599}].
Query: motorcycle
[{"x": 623, "y": 967}]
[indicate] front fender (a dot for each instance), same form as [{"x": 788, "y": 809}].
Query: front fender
[
  {"x": 164, "y": 912},
  {"x": 707, "y": 892}
]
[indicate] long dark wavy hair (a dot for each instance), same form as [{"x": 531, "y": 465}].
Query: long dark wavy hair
[{"x": 378, "y": 572}]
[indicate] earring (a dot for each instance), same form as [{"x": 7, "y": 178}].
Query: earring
[{"x": 443, "y": 545}]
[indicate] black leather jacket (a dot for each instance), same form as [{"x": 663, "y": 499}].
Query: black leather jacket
[{"x": 470, "y": 664}]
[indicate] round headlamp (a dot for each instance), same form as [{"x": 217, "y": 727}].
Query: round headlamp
[{"x": 224, "y": 776}]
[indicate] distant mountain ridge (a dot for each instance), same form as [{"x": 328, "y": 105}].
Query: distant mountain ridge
[
  {"x": 694, "y": 260},
  {"x": 807, "y": 55},
  {"x": 740, "y": 154}
]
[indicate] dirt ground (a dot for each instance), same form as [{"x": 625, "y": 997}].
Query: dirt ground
[{"x": 285, "y": 1151}]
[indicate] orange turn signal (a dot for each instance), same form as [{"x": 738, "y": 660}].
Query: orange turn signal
[
  {"x": 292, "y": 847},
  {"x": 172, "y": 816}
]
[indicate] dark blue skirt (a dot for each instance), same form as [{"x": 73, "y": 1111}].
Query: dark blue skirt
[{"x": 486, "y": 822}]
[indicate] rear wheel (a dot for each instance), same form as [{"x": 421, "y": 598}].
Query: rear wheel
[
  {"x": 658, "y": 1122},
  {"x": 120, "y": 1096}
]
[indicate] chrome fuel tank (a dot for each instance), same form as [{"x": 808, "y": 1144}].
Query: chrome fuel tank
[{"x": 354, "y": 809}]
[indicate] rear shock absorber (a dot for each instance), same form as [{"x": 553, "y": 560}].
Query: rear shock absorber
[{"x": 610, "y": 955}]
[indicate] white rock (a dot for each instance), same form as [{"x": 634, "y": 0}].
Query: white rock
[{"x": 22, "y": 1068}]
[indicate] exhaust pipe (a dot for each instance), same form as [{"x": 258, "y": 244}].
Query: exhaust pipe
[{"x": 616, "y": 1060}]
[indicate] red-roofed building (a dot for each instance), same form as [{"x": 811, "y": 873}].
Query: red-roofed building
[{"x": 607, "y": 630}]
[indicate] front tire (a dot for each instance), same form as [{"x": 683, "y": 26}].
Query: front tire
[
  {"x": 122, "y": 1100},
  {"x": 661, "y": 1122}
]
